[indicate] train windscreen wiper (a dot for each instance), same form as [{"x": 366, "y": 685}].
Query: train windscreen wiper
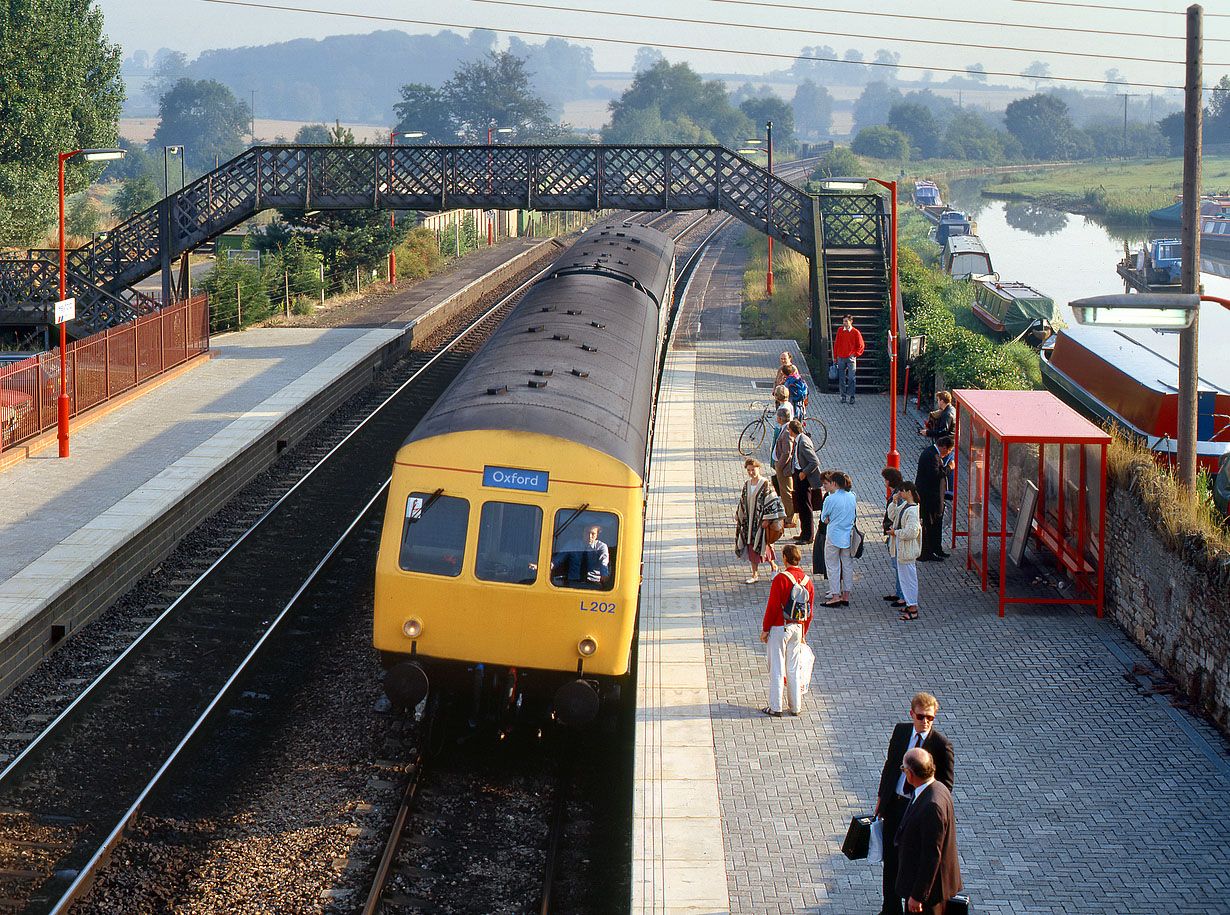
[{"x": 573, "y": 517}]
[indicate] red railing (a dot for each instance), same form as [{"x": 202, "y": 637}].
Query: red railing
[{"x": 99, "y": 367}]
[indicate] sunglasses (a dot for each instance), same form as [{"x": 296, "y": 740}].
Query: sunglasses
[{"x": 924, "y": 717}]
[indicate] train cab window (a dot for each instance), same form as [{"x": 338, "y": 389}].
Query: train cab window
[
  {"x": 583, "y": 549},
  {"x": 508, "y": 538},
  {"x": 434, "y": 537}
]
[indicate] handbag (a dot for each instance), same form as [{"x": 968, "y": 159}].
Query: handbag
[
  {"x": 858, "y": 838},
  {"x": 807, "y": 661},
  {"x": 773, "y": 532},
  {"x": 856, "y": 543},
  {"x": 957, "y": 905},
  {"x": 875, "y": 847}
]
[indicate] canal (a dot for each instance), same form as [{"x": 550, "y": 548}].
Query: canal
[{"x": 1071, "y": 257}]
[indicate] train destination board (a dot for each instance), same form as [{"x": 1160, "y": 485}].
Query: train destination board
[{"x": 512, "y": 478}]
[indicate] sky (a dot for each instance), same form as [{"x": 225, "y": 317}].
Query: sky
[{"x": 1154, "y": 37}]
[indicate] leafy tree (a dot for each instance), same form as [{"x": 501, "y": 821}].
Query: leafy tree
[
  {"x": 855, "y": 69},
  {"x": 497, "y": 90},
  {"x": 647, "y": 58},
  {"x": 82, "y": 218},
  {"x": 294, "y": 267},
  {"x": 977, "y": 72},
  {"x": 60, "y": 90},
  {"x": 686, "y": 108},
  {"x": 970, "y": 137},
  {"x": 888, "y": 61},
  {"x": 1216, "y": 128},
  {"x": 135, "y": 194},
  {"x": 1171, "y": 128},
  {"x": 839, "y": 162},
  {"x": 224, "y": 282},
  {"x": 813, "y": 109},
  {"x": 919, "y": 126},
  {"x": 1114, "y": 79},
  {"x": 169, "y": 68},
  {"x": 559, "y": 71},
  {"x": 881, "y": 143},
  {"x": 872, "y": 106},
  {"x": 205, "y": 118},
  {"x": 1042, "y": 124},
  {"x": 760, "y": 110},
  {"x": 1037, "y": 71},
  {"x": 425, "y": 108},
  {"x": 313, "y": 135}
]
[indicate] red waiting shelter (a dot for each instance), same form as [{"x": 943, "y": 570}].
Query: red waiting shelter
[{"x": 1030, "y": 469}]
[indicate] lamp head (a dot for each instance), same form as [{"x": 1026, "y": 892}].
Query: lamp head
[
  {"x": 101, "y": 155},
  {"x": 844, "y": 184},
  {"x": 1160, "y": 311}
]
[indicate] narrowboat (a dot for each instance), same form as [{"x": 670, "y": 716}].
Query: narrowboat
[
  {"x": 1210, "y": 205},
  {"x": 950, "y": 223},
  {"x": 1131, "y": 377},
  {"x": 926, "y": 194},
  {"x": 965, "y": 256},
  {"x": 1155, "y": 267},
  {"x": 1014, "y": 310},
  {"x": 1215, "y": 233}
]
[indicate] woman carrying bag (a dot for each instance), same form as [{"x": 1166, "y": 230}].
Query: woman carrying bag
[
  {"x": 759, "y": 520},
  {"x": 905, "y": 546}
]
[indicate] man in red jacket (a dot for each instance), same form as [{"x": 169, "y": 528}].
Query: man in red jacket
[
  {"x": 783, "y": 637},
  {"x": 847, "y": 347}
]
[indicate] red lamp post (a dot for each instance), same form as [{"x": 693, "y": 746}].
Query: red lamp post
[
  {"x": 62, "y": 404},
  {"x": 491, "y": 130},
  {"x": 860, "y": 184},
  {"x": 393, "y": 213}
]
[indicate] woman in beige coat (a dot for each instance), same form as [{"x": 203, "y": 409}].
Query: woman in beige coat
[{"x": 905, "y": 545}]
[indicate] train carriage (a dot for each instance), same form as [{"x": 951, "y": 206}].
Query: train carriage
[{"x": 510, "y": 555}]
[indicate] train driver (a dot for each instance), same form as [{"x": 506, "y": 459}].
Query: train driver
[{"x": 587, "y": 567}]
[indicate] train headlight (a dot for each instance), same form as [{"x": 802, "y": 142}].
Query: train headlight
[
  {"x": 413, "y": 629},
  {"x": 587, "y": 647}
]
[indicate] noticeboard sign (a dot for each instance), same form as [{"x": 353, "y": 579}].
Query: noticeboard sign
[
  {"x": 66, "y": 310},
  {"x": 915, "y": 347}
]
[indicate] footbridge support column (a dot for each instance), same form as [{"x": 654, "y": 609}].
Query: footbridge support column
[{"x": 818, "y": 343}]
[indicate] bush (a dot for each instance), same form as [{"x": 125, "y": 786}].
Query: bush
[
  {"x": 236, "y": 290},
  {"x": 839, "y": 163},
  {"x": 881, "y": 143},
  {"x": 419, "y": 255},
  {"x": 293, "y": 267}
]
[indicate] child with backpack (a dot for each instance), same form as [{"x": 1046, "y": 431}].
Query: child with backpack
[
  {"x": 786, "y": 618},
  {"x": 796, "y": 387}
]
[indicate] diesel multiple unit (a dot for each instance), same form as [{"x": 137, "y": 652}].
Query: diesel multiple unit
[{"x": 510, "y": 557}]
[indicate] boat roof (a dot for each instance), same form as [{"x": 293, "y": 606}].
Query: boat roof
[
  {"x": 1152, "y": 357},
  {"x": 965, "y": 244},
  {"x": 1029, "y": 416},
  {"x": 1012, "y": 290}
]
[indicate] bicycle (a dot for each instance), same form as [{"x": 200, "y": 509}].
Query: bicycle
[{"x": 754, "y": 432}]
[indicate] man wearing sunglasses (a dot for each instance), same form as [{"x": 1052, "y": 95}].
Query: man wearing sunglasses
[{"x": 895, "y": 792}]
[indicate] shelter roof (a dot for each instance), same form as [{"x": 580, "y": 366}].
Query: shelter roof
[{"x": 1030, "y": 416}]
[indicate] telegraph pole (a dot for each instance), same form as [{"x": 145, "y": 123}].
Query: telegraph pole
[{"x": 1190, "y": 277}]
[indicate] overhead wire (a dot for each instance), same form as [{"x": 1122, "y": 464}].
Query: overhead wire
[
  {"x": 346, "y": 14},
  {"x": 799, "y": 31},
  {"x": 764, "y": 4},
  {"x": 1117, "y": 9}
]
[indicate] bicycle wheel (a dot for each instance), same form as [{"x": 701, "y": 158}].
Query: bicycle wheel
[
  {"x": 816, "y": 431},
  {"x": 751, "y": 437}
]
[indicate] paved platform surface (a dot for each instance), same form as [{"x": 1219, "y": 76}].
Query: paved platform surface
[
  {"x": 59, "y": 518},
  {"x": 1074, "y": 791}
]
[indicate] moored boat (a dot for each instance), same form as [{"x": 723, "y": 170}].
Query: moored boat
[
  {"x": 965, "y": 256},
  {"x": 927, "y": 194},
  {"x": 1155, "y": 267},
  {"x": 1215, "y": 232},
  {"x": 1131, "y": 377},
  {"x": 1210, "y": 205},
  {"x": 950, "y": 223},
  {"x": 1014, "y": 310}
]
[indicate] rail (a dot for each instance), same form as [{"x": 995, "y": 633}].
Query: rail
[{"x": 99, "y": 367}]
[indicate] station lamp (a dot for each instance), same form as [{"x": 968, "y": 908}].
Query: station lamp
[{"x": 1158, "y": 310}]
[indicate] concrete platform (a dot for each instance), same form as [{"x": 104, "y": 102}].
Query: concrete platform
[
  {"x": 1075, "y": 792},
  {"x": 76, "y": 533}
]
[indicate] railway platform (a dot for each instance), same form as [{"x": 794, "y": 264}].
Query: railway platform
[
  {"x": 1075, "y": 790},
  {"x": 76, "y": 533}
]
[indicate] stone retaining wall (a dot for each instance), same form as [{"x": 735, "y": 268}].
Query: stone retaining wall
[{"x": 1176, "y": 607}]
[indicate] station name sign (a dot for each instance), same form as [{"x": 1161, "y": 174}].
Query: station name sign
[{"x": 512, "y": 478}]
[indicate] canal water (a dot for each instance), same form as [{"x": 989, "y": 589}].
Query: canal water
[{"x": 1068, "y": 257}]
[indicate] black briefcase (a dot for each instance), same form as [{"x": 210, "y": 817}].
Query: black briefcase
[
  {"x": 858, "y": 838},
  {"x": 957, "y": 905}
]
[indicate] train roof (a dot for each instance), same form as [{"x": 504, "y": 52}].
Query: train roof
[{"x": 576, "y": 358}]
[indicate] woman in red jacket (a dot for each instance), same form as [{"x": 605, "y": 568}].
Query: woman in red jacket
[
  {"x": 784, "y": 638},
  {"x": 847, "y": 347}
]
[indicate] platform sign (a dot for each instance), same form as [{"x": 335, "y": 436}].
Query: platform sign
[
  {"x": 66, "y": 310},
  {"x": 512, "y": 478},
  {"x": 915, "y": 347}
]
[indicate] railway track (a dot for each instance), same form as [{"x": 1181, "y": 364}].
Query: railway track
[{"x": 69, "y": 797}]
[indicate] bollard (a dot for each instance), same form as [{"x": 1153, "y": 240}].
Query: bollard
[{"x": 322, "y": 284}]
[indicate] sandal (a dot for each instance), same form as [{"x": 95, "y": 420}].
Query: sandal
[
  {"x": 898, "y": 603},
  {"x": 772, "y": 714},
  {"x": 752, "y": 580},
  {"x": 909, "y": 615}
]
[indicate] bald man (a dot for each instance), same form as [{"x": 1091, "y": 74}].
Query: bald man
[{"x": 928, "y": 873}]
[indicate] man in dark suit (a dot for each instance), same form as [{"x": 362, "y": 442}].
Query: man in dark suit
[
  {"x": 929, "y": 873},
  {"x": 931, "y": 480},
  {"x": 805, "y": 467},
  {"x": 895, "y": 791}
]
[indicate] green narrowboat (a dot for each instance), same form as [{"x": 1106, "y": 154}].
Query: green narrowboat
[{"x": 1014, "y": 310}]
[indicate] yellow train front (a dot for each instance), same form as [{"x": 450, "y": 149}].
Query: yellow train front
[{"x": 510, "y": 557}]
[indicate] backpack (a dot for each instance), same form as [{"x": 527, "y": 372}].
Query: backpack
[
  {"x": 797, "y": 388},
  {"x": 798, "y": 604}
]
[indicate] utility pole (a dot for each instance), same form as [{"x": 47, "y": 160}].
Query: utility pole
[
  {"x": 1125, "y": 96},
  {"x": 1190, "y": 276}
]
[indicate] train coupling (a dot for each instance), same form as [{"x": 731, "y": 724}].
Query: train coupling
[
  {"x": 576, "y": 702},
  {"x": 406, "y": 684}
]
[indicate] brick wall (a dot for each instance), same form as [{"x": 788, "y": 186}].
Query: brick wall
[{"x": 1174, "y": 604}]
